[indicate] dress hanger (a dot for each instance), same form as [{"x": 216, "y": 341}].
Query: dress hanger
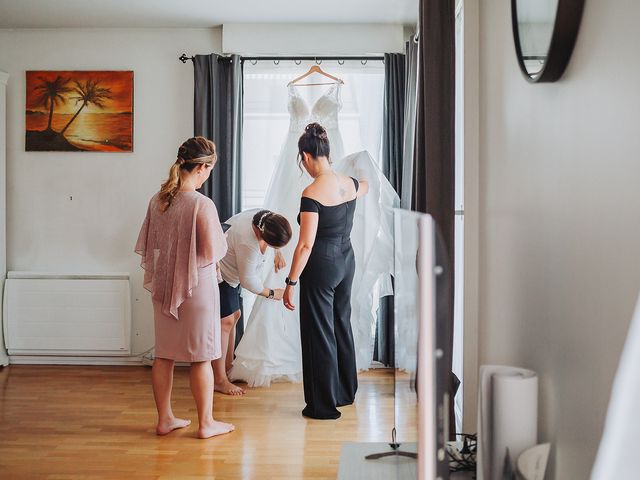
[{"x": 316, "y": 69}]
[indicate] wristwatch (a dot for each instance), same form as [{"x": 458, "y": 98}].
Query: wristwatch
[
  {"x": 288, "y": 281},
  {"x": 271, "y": 293}
]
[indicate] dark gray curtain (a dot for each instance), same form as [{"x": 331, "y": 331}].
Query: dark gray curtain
[
  {"x": 434, "y": 160},
  {"x": 409, "y": 137},
  {"x": 393, "y": 122},
  {"x": 392, "y": 167},
  {"x": 218, "y": 117}
]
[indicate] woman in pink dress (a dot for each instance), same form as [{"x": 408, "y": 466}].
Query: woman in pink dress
[{"x": 180, "y": 242}]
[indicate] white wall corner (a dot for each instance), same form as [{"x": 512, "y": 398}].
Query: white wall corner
[
  {"x": 4, "y": 78},
  {"x": 471, "y": 36},
  {"x": 408, "y": 32}
]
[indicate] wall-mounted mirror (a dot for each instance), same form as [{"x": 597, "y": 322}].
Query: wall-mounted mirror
[{"x": 544, "y": 33}]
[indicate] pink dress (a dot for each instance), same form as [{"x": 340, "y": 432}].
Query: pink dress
[{"x": 179, "y": 249}]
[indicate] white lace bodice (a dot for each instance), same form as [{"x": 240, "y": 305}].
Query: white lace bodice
[{"x": 324, "y": 111}]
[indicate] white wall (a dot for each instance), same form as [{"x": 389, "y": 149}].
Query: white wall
[
  {"x": 560, "y": 219},
  {"x": 96, "y": 231},
  {"x": 308, "y": 39}
]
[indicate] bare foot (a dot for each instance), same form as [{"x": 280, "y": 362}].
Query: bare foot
[
  {"x": 216, "y": 428},
  {"x": 171, "y": 425},
  {"x": 228, "y": 388}
]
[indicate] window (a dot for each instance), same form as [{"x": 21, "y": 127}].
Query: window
[
  {"x": 266, "y": 119},
  {"x": 458, "y": 307},
  {"x": 266, "y": 116}
]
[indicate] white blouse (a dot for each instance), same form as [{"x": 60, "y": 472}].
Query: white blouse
[{"x": 242, "y": 265}]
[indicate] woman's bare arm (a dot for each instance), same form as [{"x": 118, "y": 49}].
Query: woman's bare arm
[{"x": 308, "y": 230}]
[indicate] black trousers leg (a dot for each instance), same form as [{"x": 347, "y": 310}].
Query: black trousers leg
[
  {"x": 319, "y": 349},
  {"x": 346, "y": 355}
]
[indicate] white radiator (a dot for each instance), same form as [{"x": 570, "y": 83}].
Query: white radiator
[{"x": 51, "y": 314}]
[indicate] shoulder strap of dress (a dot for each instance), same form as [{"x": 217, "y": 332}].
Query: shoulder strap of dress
[
  {"x": 356, "y": 183},
  {"x": 309, "y": 205}
]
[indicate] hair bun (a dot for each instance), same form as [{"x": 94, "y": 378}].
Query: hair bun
[{"x": 316, "y": 130}]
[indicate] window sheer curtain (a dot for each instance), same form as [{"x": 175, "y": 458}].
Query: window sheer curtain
[
  {"x": 458, "y": 307},
  {"x": 266, "y": 118}
]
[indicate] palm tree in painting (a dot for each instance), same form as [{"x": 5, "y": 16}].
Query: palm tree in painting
[
  {"x": 88, "y": 93},
  {"x": 51, "y": 93}
]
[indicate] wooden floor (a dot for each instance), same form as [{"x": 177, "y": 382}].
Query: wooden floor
[{"x": 63, "y": 422}]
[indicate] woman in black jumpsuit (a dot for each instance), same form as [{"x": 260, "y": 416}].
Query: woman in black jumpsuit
[{"x": 324, "y": 263}]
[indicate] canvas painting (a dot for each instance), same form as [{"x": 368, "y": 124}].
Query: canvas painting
[{"x": 75, "y": 111}]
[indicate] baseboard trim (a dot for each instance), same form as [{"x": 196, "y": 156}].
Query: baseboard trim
[
  {"x": 136, "y": 361},
  {"x": 60, "y": 360}
]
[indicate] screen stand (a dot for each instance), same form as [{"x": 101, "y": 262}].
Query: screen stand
[{"x": 395, "y": 447}]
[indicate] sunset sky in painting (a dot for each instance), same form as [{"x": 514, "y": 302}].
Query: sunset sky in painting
[{"x": 120, "y": 84}]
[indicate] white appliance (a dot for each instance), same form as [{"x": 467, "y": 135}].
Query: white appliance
[{"x": 67, "y": 314}]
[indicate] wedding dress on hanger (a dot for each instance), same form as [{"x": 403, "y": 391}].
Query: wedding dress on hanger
[{"x": 270, "y": 347}]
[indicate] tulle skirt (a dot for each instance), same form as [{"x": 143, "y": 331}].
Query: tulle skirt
[{"x": 270, "y": 349}]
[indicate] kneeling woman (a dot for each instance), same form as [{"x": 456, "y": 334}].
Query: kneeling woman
[{"x": 248, "y": 237}]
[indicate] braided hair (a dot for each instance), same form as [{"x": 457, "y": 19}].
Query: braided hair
[{"x": 195, "y": 151}]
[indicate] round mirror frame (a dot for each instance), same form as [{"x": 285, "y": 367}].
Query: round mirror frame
[{"x": 563, "y": 39}]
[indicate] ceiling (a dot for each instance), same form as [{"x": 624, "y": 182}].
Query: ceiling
[{"x": 199, "y": 13}]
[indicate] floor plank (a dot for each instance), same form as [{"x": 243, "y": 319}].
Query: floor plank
[{"x": 67, "y": 422}]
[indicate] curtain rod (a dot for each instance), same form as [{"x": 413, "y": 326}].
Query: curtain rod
[
  {"x": 316, "y": 58},
  {"x": 183, "y": 58}
]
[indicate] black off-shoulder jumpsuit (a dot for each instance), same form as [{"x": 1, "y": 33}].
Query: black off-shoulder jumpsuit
[{"x": 328, "y": 354}]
